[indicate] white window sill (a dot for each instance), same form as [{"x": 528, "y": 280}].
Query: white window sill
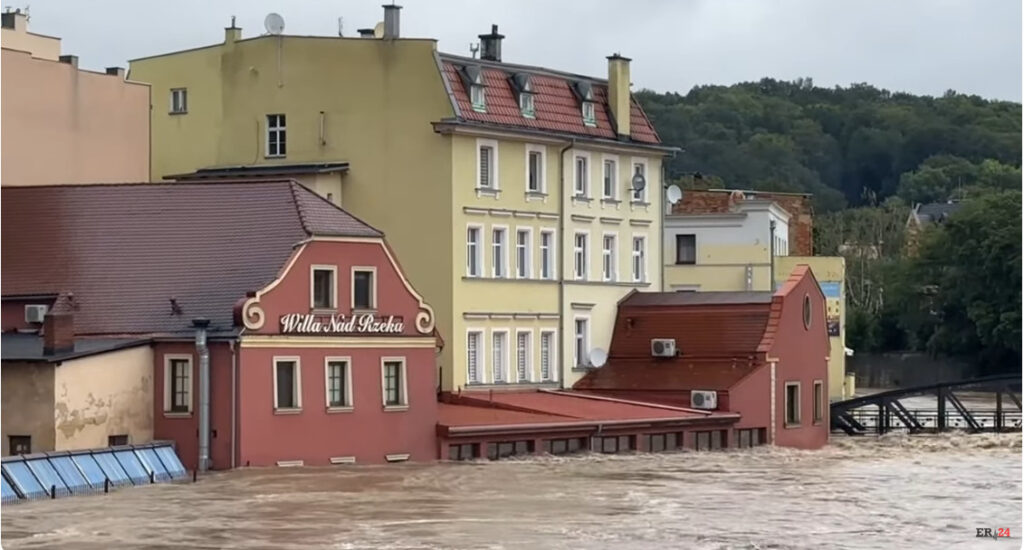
[
  {"x": 582, "y": 198},
  {"x": 790, "y": 426},
  {"x": 611, "y": 201},
  {"x": 536, "y": 196},
  {"x": 360, "y": 311},
  {"x": 639, "y": 203},
  {"x": 396, "y": 408},
  {"x": 177, "y": 112},
  {"x": 288, "y": 411},
  {"x": 488, "y": 192},
  {"x": 333, "y": 410},
  {"x": 397, "y": 457},
  {"x": 274, "y": 156},
  {"x": 169, "y": 414},
  {"x": 324, "y": 310}
]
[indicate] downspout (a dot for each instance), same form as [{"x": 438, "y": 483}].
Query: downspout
[
  {"x": 234, "y": 397},
  {"x": 771, "y": 256},
  {"x": 203, "y": 351},
  {"x": 561, "y": 258},
  {"x": 666, "y": 209}
]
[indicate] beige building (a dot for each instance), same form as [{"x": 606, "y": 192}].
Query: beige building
[{"x": 62, "y": 124}]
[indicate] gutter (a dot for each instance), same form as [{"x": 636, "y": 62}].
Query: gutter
[
  {"x": 561, "y": 259},
  {"x": 596, "y": 425}
]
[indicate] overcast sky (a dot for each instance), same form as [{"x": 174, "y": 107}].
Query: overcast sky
[{"x": 919, "y": 46}]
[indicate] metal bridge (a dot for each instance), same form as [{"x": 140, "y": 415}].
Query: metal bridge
[{"x": 883, "y": 412}]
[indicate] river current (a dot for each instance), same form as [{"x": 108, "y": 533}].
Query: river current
[{"x": 895, "y": 491}]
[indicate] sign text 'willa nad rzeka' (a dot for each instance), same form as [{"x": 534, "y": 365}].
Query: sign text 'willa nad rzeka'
[{"x": 299, "y": 323}]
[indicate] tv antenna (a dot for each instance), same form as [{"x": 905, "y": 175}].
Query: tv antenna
[
  {"x": 474, "y": 48},
  {"x": 341, "y": 24},
  {"x": 274, "y": 23}
]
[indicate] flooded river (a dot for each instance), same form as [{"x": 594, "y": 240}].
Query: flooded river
[{"x": 894, "y": 492}]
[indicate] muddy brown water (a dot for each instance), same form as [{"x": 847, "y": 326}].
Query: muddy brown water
[{"x": 866, "y": 493}]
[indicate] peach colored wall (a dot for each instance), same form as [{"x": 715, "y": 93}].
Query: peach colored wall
[{"x": 64, "y": 125}]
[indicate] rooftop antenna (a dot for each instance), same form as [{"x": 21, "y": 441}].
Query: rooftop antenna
[
  {"x": 274, "y": 23},
  {"x": 341, "y": 24},
  {"x": 232, "y": 21},
  {"x": 474, "y": 48}
]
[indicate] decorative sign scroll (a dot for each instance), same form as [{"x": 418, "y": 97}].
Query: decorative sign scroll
[{"x": 299, "y": 323}]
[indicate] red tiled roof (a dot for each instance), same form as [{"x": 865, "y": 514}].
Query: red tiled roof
[
  {"x": 695, "y": 298},
  {"x": 125, "y": 250},
  {"x": 702, "y": 330},
  {"x": 556, "y": 106},
  {"x": 450, "y": 414},
  {"x": 661, "y": 376}
]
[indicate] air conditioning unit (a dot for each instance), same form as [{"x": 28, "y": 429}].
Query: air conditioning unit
[
  {"x": 663, "y": 347},
  {"x": 35, "y": 313},
  {"x": 704, "y": 399}
]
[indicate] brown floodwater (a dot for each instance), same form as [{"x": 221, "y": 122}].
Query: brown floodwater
[{"x": 896, "y": 491}]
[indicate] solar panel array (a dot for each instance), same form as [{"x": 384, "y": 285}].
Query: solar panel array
[{"x": 50, "y": 475}]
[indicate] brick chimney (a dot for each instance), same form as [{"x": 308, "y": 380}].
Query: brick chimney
[
  {"x": 70, "y": 60},
  {"x": 15, "y": 20},
  {"x": 618, "y": 93},
  {"x": 490, "y": 45},
  {"x": 232, "y": 34},
  {"x": 59, "y": 327}
]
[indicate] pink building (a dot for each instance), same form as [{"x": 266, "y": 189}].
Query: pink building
[{"x": 62, "y": 124}]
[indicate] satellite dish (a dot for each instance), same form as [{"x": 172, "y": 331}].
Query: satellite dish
[
  {"x": 675, "y": 194},
  {"x": 274, "y": 23},
  {"x": 639, "y": 182},
  {"x": 598, "y": 357}
]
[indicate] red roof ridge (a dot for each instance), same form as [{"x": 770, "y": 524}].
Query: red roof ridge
[
  {"x": 624, "y": 401},
  {"x": 799, "y": 273}
]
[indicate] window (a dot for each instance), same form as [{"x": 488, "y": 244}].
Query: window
[
  {"x": 751, "y": 437},
  {"x": 640, "y": 169},
  {"x": 609, "y": 190},
  {"x": 473, "y": 359},
  {"x": 565, "y": 446},
  {"x": 581, "y": 349},
  {"x": 707, "y": 441},
  {"x": 523, "y": 268},
  {"x": 324, "y": 287},
  {"x": 364, "y": 289},
  {"x": 686, "y": 249},
  {"x": 639, "y": 259},
  {"x": 526, "y": 104},
  {"x": 807, "y": 312},
  {"x": 287, "y": 392},
  {"x": 473, "y": 248},
  {"x": 613, "y": 444},
  {"x": 547, "y": 239},
  {"x": 499, "y": 365},
  {"x": 19, "y": 444},
  {"x": 498, "y": 245},
  {"x": 819, "y": 401},
  {"x": 179, "y": 101},
  {"x": 608, "y": 258},
  {"x": 117, "y": 440},
  {"x": 580, "y": 256},
  {"x": 657, "y": 443},
  {"x": 588, "y": 114},
  {"x": 524, "y": 352},
  {"x": 486, "y": 180},
  {"x": 394, "y": 385},
  {"x": 547, "y": 343},
  {"x": 792, "y": 404},
  {"x": 178, "y": 383},
  {"x": 505, "y": 449},
  {"x": 465, "y": 451},
  {"x": 582, "y": 181},
  {"x": 534, "y": 169},
  {"x": 477, "y": 97},
  {"x": 276, "y": 136},
  {"x": 338, "y": 378}
]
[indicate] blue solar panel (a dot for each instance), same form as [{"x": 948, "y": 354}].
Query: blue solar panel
[
  {"x": 7, "y": 491},
  {"x": 152, "y": 463},
  {"x": 136, "y": 471},
  {"x": 24, "y": 479},
  {"x": 91, "y": 469},
  {"x": 171, "y": 462},
  {"x": 112, "y": 469},
  {"x": 47, "y": 475},
  {"x": 73, "y": 478}
]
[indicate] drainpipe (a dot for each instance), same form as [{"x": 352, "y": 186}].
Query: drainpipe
[
  {"x": 203, "y": 351},
  {"x": 771, "y": 256},
  {"x": 666, "y": 209},
  {"x": 561, "y": 258},
  {"x": 234, "y": 399}
]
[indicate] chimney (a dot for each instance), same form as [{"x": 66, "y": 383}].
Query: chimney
[
  {"x": 618, "y": 93},
  {"x": 366, "y": 33},
  {"x": 490, "y": 45},
  {"x": 391, "y": 20},
  {"x": 59, "y": 327},
  {"x": 116, "y": 71},
  {"x": 15, "y": 20},
  {"x": 232, "y": 34},
  {"x": 70, "y": 60}
]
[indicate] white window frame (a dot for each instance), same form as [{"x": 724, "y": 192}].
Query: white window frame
[
  {"x": 609, "y": 258},
  {"x": 785, "y": 408},
  {"x": 551, "y": 256},
  {"x": 542, "y": 180},
  {"x": 818, "y": 383},
  {"x": 478, "y": 104},
  {"x": 478, "y": 250},
  {"x": 493, "y": 145},
  {"x": 169, "y": 390},
  {"x": 281, "y": 133},
  {"x": 588, "y": 110},
  {"x": 576, "y": 183},
  {"x": 524, "y": 271},
  {"x": 552, "y": 355},
  {"x": 528, "y": 367},
  {"x": 403, "y": 390},
  {"x": 373, "y": 288},
  {"x": 481, "y": 355},
  {"x": 347, "y": 375},
  {"x": 179, "y": 108},
  {"x": 614, "y": 159},
  {"x": 505, "y": 359},
  {"x": 642, "y": 253},
  {"x": 642, "y": 199},
  {"x": 504, "y": 252},
  {"x": 312, "y": 286},
  {"x": 576, "y": 273},
  {"x": 528, "y": 109},
  {"x": 581, "y": 362},
  {"x": 298, "y": 382}
]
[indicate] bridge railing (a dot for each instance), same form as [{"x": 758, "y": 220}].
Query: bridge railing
[{"x": 929, "y": 418}]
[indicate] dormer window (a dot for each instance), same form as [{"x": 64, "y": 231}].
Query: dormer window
[
  {"x": 585, "y": 93},
  {"x": 588, "y": 114},
  {"x": 476, "y": 95},
  {"x": 524, "y": 87},
  {"x": 473, "y": 78},
  {"x": 526, "y": 104}
]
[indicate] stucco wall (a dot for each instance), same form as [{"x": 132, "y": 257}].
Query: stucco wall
[
  {"x": 751, "y": 397},
  {"x": 18, "y": 38},
  {"x": 27, "y": 404},
  {"x": 64, "y": 125},
  {"x": 103, "y": 395}
]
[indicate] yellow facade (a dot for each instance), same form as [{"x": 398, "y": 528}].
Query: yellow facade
[{"x": 372, "y": 103}]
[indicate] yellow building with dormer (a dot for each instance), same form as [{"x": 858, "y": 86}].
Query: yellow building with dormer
[{"x": 523, "y": 202}]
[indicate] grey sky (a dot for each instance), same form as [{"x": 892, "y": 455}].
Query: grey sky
[{"x": 919, "y": 46}]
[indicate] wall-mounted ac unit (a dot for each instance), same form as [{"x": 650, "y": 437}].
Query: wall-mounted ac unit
[
  {"x": 35, "y": 313},
  {"x": 663, "y": 347},
  {"x": 704, "y": 399}
]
